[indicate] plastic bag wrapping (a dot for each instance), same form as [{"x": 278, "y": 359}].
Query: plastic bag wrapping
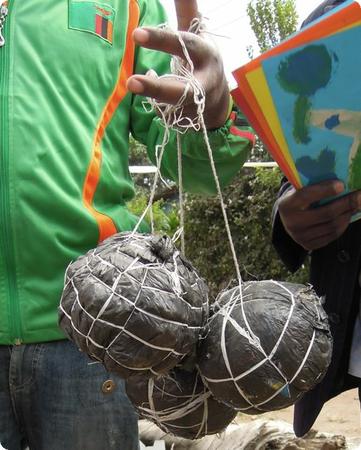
[
  {"x": 267, "y": 347},
  {"x": 180, "y": 404},
  {"x": 135, "y": 304}
]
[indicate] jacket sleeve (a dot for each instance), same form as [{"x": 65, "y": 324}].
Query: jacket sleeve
[
  {"x": 230, "y": 144},
  {"x": 292, "y": 254}
]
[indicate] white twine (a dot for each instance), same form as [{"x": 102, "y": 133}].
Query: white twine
[
  {"x": 181, "y": 201},
  {"x": 199, "y": 100}
]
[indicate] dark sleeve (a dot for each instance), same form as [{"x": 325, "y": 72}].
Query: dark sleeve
[
  {"x": 322, "y": 9},
  {"x": 291, "y": 253}
]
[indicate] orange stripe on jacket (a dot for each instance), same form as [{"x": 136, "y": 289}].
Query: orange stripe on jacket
[{"x": 105, "y": 223}]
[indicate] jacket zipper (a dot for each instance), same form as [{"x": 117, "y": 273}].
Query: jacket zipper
[
  {"x": 3, "y": 14},
  {"x": 6, "y": 234}
]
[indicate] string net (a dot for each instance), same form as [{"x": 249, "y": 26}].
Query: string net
[
  {"x": 179, "y": 404},
  {"x": 266, "y": 380},
  {"x": 135, "y": 304},
  {"x": 285, "y": 355}
]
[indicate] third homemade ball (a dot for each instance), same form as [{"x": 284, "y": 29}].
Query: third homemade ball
[{"x": 179, "y": 404}]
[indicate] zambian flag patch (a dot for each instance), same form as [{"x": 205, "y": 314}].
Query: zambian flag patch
[{"x": 93, "y": 17}]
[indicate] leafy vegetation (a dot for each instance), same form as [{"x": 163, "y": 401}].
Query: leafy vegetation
[
  {"x": 249, "y": 200},
  {"x": 165, "y": 215},
  {"x": 272, "y": 21}
]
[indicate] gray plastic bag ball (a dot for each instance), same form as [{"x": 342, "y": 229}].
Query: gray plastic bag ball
[
  {"x": 135, "y": 304},
  {"x": 180, "y": 404},
  {"x": 266, "y": 348}
]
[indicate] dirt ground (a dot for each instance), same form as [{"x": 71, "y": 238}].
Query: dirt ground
[{"x": 339, "y": 416}]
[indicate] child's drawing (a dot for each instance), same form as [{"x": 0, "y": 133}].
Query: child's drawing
[{"x": 317, "y": 95}]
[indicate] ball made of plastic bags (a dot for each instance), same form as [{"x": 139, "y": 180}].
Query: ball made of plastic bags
[
  {"x": 180, "y": 404},
  {"x": 267, "y": 345},
  {"x": 135, "y": 304}
]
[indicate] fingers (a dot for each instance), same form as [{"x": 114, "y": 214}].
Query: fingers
[
  {"x": 167, "y": 41},
  {"x": 314, "y": 227},
  {"x": 164, "y": 90},
  {"x": 318, "y": 236},
  {"x": 346, "y": 205},
  {"x": 299, "y": 205},
  {"x": 186, "y": 11},
  {"x": 208, "y": 70},
  {"x": 315, "y": 193}
]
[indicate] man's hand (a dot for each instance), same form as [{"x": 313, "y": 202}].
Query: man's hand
[
  {"x": 208, "y": 68},
  {"x": 315, "y": 227}
]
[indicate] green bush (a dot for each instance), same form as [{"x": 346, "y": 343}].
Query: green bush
[
  {"x": 249, "y": 201},
  {"x": 165, "y": 216}
]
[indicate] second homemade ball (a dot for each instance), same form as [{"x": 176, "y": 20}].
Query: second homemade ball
[{"x": 267, "y": 345}]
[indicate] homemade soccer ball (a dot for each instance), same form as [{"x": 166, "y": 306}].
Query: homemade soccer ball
[
  {"x": 135, "y": 304},
  {"x": 180, "y": 404},
  {"x": 267, "y": 344}
]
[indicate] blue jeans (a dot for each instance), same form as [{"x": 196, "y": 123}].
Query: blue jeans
[{"x": 53, "y": 398}]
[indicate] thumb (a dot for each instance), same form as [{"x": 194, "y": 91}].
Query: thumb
[
  {"x": 186, "y": 11},
  {"x": 308, "y": 195}
]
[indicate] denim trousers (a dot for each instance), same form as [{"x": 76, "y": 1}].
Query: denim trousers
[{"x": 52, "y": 397}]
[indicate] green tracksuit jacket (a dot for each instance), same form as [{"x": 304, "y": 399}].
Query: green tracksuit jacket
[{"x": 65, "y": 118}]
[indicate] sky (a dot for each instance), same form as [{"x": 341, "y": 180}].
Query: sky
[{"x": 228, "y": 18}]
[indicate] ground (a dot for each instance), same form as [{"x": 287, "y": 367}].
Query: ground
[
  {"x": 339, "y": 416},
  {"x": 339, "y": 420}
]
